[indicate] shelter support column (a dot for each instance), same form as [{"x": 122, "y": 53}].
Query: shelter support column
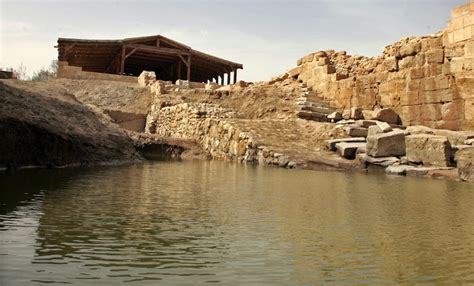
[
  {"x": 179, "y": 70},
  {"x": 188, "y": 76},
  {"x": 235, "y": 76}
]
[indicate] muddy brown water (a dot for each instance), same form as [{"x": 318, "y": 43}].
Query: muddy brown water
[{"x": 191, "y": 223}]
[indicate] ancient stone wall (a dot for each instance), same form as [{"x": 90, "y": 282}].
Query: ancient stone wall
[
  {"x": 426, "y": 80},
  {"x": 73, "y": 72}
]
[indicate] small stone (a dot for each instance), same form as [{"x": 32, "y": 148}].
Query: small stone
[
  {"x": 335, "y": 116},
  {"x": 382, "y": 161}
]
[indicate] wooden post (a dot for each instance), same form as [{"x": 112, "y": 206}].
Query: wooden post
[
  {"x": 188, "y": 76},
  {"x": 235, "y": 76},
  {"x": 122, "y": 61},
  {"x": 179, "y": 69}
]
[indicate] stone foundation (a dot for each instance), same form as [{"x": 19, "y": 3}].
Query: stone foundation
[{"x": 73, "y": 72}]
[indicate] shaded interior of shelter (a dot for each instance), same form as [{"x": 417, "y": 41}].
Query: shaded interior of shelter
[{"x": 169, "y": 59}]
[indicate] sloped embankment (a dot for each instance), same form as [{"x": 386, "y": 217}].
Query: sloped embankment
[{"x": 45, "y": 126}]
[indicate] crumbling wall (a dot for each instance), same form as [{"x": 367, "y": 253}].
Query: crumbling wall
[
  {"x": 426, "y": 80},
  {"x": 73, "y": 72}
]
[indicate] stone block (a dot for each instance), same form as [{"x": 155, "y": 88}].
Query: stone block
[
  {"x": 430, "y": 150},
  {"x": 417, "y": 73},
  {"x": 409, "y": 98},
  {"x": 435, "y": 56},
  {"x": 356, "y": 131},
  {"x": 465, "y": 164},
  {"x": 374, "y": 130},
  {"x": 384, "y": 126},
  {"x": 349, "y": 149},
  {"x": 366, "y": 123},
  {"x": 386, "y": 144},
  {"x": 331, "y": 144},
  {"x": 356, "y": 113}
]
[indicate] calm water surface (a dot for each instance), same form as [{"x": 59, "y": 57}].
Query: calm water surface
[{"x": 227, "y": 224}]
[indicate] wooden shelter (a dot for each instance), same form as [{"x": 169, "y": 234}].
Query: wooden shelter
[{"x": 169, "y": 59}]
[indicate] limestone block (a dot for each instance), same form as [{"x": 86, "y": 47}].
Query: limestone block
[
  {"x": 417, "y": 73},
  {"x": 366, "y": 123},
  {"x": 384, "y": 126},
  {"x": 146, "y": 78},
  {"x": 211, "y": 86},
  {"x": 452, "y": 110},
  {"x": 465, "y": 164},
  {"x": 434, "y": 70},
  {"x": 407, "y": 62},
  {"x": 356, "y": 131},
  {"x": 331, "y": 144},
  {"x": 410, "y": 49},
  {"x": 430, "y": 43},
  {"x": 386, "y": 115},
  {"x": 348, "y": 149},
  {"x": 295, "y": 72},
  {"x": 182, "y": 84},
  {"x": 436, "y": 96},
  {"x": 386, "y": 144},
  {"x": 409, "y": 98},
  {"x": 430, "y": 150},
  {"x": 374, "y": 130},
  {"x": 390, "y": 64}
]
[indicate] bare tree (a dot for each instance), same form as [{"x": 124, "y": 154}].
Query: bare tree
[
  {"x": 46, "y": 74},
  {"x": 20, "y": 72}
]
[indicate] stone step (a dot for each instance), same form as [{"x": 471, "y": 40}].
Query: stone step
[
  {"x": 320, "y": 109},
  {"x": 331, "y": 144}
]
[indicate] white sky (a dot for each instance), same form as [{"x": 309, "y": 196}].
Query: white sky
[{"x": 267, "y": 37}]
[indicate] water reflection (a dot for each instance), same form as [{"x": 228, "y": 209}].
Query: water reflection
[{"x": 208, "y": 222}]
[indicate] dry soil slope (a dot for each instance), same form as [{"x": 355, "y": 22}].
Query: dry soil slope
[{"x": 43, "y": 125}]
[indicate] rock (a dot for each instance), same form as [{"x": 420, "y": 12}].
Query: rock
[
  {"x": 430, "y": 150},
  {"x": 283, "y": 161},
  {"x": 335, "y": 116},
  {"x": 385, "y": 115},
  {"x": 146, "y": 78},
  {"x": 211, "y": 86},
  {"x": 469, "y": 142},
  {"x": 465, "y": 164},
  {"x": 384, "y": 126},
  {"x": 382, "y": 161},
  {"x": 356, "y": 131},
  {"x": 331, "y": 144},
  {"x": 241, "y": 83},
  {"x": 356, "y": 113},
  {"x": 455, "y": 137},
  {"x": 346, "y": 114},
  {"x": 386, "y": 144},
  {"x": 348, "y": 149},
  {"x": 399, "y": 170},
  {"x": 346, "y": 121},
  {"x": 374, "y": 130},
  {"x": 367, "y": 114},
  {"x": 158, "y": 87},
  {"x": 182, "y": 84}
]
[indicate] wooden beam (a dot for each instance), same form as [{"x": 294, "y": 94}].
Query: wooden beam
[
  {"x": 157, "y": 49},
  {"x": 130, "y": 53},
  {"x": 184, "y": 61},
  {"x": 157, "y": 42}
]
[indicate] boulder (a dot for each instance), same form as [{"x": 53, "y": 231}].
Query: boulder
[
  {"x": 430, "y": 150},
  {"x": 182, "y": 84},
  {"x": 331, "y": 144},
  {"x": 385, "y": 115},
  {"x": 413, "y": 171},
  {"x": 211, "y": 86},
  {"x": 386, "y": 144},
  {"x": 465, "y": 164},
  {"x": 146, "y": 78},
  {"x": 349, "y": 149}
]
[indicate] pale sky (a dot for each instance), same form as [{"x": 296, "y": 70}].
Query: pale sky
[{"x": 267, "y": 37}]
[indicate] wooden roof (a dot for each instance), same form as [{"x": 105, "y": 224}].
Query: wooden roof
[{"x": 152, "y": 52}]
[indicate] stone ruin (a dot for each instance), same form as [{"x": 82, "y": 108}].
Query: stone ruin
[{"x": 426, "y": 80}]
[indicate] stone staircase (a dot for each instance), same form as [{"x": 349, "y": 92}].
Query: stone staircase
[{"x": 311, "y": 107}]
